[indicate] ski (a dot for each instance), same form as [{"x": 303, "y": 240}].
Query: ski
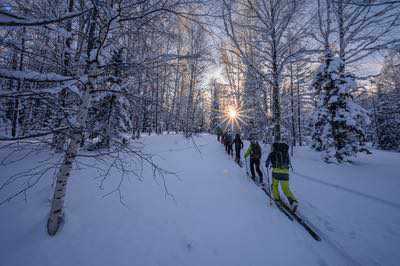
[
  {"x": 284, "y": 211},
  {"x": 280, "y": 208},
  {"x": 301, "y": 221},
  {"x": 293, "y": 216}
]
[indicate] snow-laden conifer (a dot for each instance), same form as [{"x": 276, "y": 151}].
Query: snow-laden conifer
[{"x": 339, "y": 122}]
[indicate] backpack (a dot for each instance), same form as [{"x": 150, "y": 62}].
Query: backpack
[
  {"x": 281, "y": 152},
  {"x": 256, "y": 151},
  {"x": 238, "y": 142},
  {"x": 228, "y": 139}
]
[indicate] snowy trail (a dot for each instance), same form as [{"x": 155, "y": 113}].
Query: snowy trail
[
  {"x": 218, "y": 217},
  {"x": 329, "y": 244},
  {"x": 214, "y": 165}
]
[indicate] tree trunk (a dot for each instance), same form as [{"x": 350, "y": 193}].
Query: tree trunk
[
  {"x": 276, "y": 113},
  {"x": 15, "y": 119},
  {"x": 298, "y": 107},
  {"x": 59, "y": 139},
  {"x": 56, "y": 211},
  {"x": 157, "y": 100},
  {"x": 292, "y": 105},
  {"x": 276, "y": 105},
  {"x": 342, "y": 44}
]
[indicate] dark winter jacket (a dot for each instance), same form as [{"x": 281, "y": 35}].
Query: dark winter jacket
[
  {"x": 228, "y": 139},
  {"x": 254, "y": 151},
  {"x": 238, "y": 143},
  {"x": 273, "y": 160},
  {"x": 280, "y": 163}
]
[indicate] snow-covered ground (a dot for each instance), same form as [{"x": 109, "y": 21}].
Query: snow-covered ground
[
  {"x": 356, "y": 206},
  {"x": 216, "y": 216}
]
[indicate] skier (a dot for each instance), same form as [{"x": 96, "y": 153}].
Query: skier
[
  {"x": 229, "y": 143},
  {"x": 226, "y": 140},
  {"x": 280, "y": 161},
  {"x": 238, "y": 147},
  {"x": 254, "y": 150},
  {"x": 223, "y": 136},
  {"x": 219, "y": 133}
]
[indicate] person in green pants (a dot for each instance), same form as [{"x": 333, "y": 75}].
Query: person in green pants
[{"x": 280, "y": 161}]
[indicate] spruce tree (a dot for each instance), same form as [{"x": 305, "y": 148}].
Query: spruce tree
[{"x": 339, "y": 121}]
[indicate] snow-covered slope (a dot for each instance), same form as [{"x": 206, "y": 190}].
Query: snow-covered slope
[
  {"x": 216, "y": 216},
  {"x": 357, "y": 206}
]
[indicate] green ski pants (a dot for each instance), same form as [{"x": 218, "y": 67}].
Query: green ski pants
[{"x": 285, "y": 188}]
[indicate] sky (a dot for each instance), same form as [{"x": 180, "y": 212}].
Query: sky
[{"x": 370, "y": 65}]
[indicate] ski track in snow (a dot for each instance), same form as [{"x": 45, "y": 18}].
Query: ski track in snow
[
  {"x": 331, "y": 228},
  {"x": 362, "y": 225},
  {"x": 331, "y": 243},
  {"x": 358, "y": 193},
  {"x": 334, "y": 245},
  {"x": 332, "y": 234}
]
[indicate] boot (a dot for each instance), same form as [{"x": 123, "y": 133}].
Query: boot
[{"x": 293, "y": 204}]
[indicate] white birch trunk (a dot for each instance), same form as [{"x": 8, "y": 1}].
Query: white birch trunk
[{"x": 56, "y": 211}]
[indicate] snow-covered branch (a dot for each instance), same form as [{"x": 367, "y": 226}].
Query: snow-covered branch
[
  {"x": 33, "y": 76},
  {"x": 10, "y": 20}
]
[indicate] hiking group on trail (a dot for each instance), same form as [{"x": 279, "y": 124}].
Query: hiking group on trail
[{"x": 278, "y": 159}]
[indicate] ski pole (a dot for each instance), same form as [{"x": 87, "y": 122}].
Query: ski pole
[
  {"x": 247, "y": 167},
  {"x": 269, "y": 183},
  {"x": 268, "y": 187}
]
